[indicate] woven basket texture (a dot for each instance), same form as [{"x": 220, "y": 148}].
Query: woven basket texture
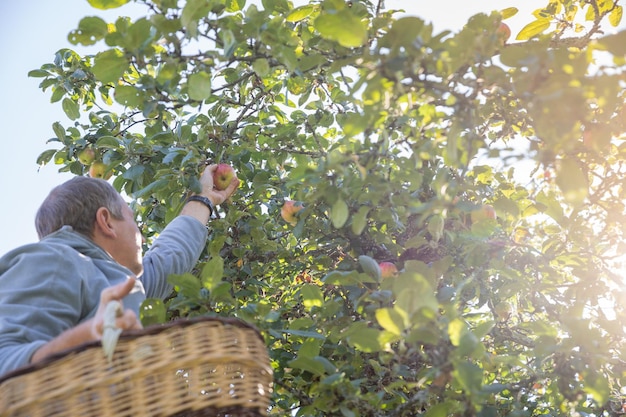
[{"x": 195, "y": 367}]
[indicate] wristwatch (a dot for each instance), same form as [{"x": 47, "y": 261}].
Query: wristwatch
[{"x": 204, "y": 200}]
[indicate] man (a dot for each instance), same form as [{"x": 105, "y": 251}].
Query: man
[{"x": 53, "y": 293}]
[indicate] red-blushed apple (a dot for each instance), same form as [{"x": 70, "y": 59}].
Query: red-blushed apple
[
  {"x": 289, "y": 211},
  {"x": 503, "y": 32},
  {"x": 388, "y": 270},
  {"x": 486, "y": 211},
  {"x": 86, "y": 156},
  {"x": 223, "y": 176},
  {"x": 99, "y": 170}
]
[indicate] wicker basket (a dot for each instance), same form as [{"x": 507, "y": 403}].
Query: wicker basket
[{"x": 194, "y": 367}]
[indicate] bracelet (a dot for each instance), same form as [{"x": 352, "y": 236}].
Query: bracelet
[{"x": 213, "y": 214}]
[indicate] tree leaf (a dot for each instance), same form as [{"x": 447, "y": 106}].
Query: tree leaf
[
  {"x": 370, "y": 267},
  {"x": 359, "y": 220},
  {"x": 199, "y": 87},
  {"x": 615, "y": 17},
  {"x": 391, "y": 320},
  {"x": 342, "y": 27},
  {"x": 71, "y": 109},
  {"x": 109, "y": 66},
  {"x": 339, "y": 213},
  {"x": 469, "y": 376},
  {"x": 533, "y": 29},
  {"x": 300, "y": 13},
  {"x": 107, "y": 4},
  {"x": 312, "y": 296},
  {"x": 572, "y": 181},
  {"x": 152, "y": 311},
  {"x": 212, "y": 272},
  {"x": 508, "y": 12}
]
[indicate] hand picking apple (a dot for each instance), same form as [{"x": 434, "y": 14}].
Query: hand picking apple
[{"x": 223, "y": 175}]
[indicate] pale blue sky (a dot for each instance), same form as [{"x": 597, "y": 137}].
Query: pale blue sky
[{"x": 32, "y": 31}]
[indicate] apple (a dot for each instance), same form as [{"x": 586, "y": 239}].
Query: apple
[
  {"x": 99, "y": 170},
  {"x": 223, "y": 176},
  {"x": 289, "y": 211},
  {"x": 86, "y": 156},
  {"x": 503, "y": 32},
  {"x": 486, "y": 211},
  {"x": 387, "y": 270}
]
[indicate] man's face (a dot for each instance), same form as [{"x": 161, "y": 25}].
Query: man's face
[{"x": 128, "y": 250}]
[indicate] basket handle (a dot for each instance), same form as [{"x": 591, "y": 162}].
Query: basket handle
[{"x": 110, "y": 332}]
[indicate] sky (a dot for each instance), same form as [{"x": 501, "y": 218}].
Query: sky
[{"x": 32, "y": 31}]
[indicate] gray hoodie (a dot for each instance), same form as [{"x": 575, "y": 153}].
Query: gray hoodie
[{"x": 55, "y": 284}]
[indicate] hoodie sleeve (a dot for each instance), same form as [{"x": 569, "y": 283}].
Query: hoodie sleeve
[
  {"x": 42, "y": 294},
  {"x": 175, "y": 251}
]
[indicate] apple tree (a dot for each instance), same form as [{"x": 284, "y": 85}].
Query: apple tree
[{"x": 488, "y": 170}]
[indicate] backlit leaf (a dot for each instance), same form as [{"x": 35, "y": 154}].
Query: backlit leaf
[
  {"x": 109, "y": 66},
  {"x": 533, "y": 29},
  {"x": 107, "y": 4},
  {"x": 342, "y": 27}
]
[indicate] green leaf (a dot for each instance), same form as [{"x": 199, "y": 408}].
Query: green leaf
[
  {"x": 186, "y": 284},
  {"x": 308, "y": 364},
  {"x": 199, "y": 86},
  {"x": 109, "y": 66},
  {"x": 339, "y": 213},
  {"x": 59, "y": 131},
  {"x": 134, "y": 172},
  {"x": 128, "y": 95},
  {"x": 90, "y": 30},
  {"x": 370, "y": 267},
  {"x": 533, "y": 29},
  {"x": 261, "y": 67},
  {"x": 193, "y": 11},
  {"x": 152, "y": 311},
  {"x": 107, "y": 4},
  {"x": 152, "y": 186},
  {"x": 572, "y": 181},
  {"x": 364, "y": 338},
  {"x": 392, "y": 320},
  {"x": 312, "y": 296},
  {"x": 469, "y": 376},
  {"x": 45, "y": 156},
  {"x": 212, "y": 272},
  {"x": 71, "y": 109},
  {"x": 300, "y": 13},
  {"x": 110, "y": 142},
  {"x": 402, "y": 33},
  {"x": 359, "y": 220},
  {"x": 342, "y": 27}
]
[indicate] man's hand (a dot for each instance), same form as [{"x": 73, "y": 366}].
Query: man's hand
[
  {"x": 126, "y": 320},
  {"x": 91, "y": 329},
  {"x": 208, "y": 188},
  {"x": 197, "y": 209}
]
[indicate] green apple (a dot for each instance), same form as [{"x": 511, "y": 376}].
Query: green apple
[
  {"x": 99, "y": 170},
  {"x": 223, "y": 176},
  {"x": 86, "y": 156}
]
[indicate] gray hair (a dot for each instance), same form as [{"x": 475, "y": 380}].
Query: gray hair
[{"x": 75, "y": 203}]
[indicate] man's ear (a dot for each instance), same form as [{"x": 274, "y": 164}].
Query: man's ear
[{"x": 103, "y": 224}]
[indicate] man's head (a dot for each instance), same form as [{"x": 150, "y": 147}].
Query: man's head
[
  {"x": 94, "y": 209},
  {"x": 75, "y": 203}
]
